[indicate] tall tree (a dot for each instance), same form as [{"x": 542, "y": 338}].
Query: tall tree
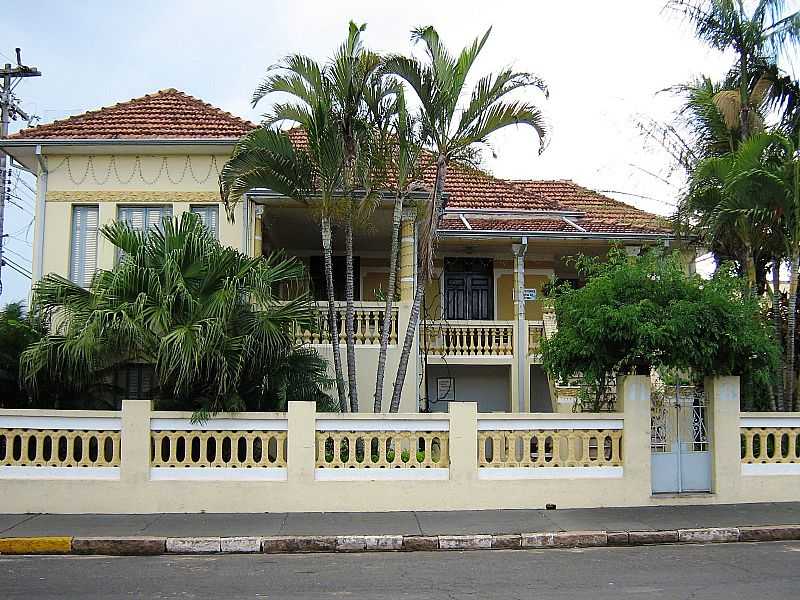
[
  {"x": 266, "y": 158},
  {"x": 333, "y": 173},
  {"x": 451, "y": 131},
  {"x": 351, "y": 71},
  {"x": 760, "y": 183},
  {"x": 758, "y": 37},
  {"x": 402, "y": 150}
]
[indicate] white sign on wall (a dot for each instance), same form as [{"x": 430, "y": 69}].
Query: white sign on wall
[
  {"x": 445, "y": 389},
  {"x": 529, "y": 294}
]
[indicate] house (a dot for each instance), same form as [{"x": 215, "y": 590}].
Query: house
[{"x": 501, "y": 242}]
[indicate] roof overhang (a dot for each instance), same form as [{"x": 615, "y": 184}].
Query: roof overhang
[
  {"x": 511, "y": 214},
  {"x": 622, "y": 236},
  {"x": 266, "y": 195},
  {"x": 23, "y": 150}
]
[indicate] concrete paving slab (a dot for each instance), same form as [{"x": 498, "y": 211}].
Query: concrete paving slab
[
  {"x": 429, "y": 523},
  {"x": 388, "y": 523},
  {"x": 216, "y": 524},
  {"x": 687, "y": 517},
  {"x": 81, "y": 525},
  {"x": 9, "y": 521},
  {"x": 602, "y": 519},
  {"x": 464, "y": 522}
]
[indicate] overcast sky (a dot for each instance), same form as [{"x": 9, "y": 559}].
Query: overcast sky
[{"x": 604, "y": 63}]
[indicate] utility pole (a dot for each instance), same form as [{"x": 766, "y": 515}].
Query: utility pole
[{"x": 10, "y": 109}]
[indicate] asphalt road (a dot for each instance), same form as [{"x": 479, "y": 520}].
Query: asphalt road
[{"x": 707, "y": 572}]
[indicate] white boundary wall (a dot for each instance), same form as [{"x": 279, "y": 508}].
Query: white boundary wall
[{"x": 135, "y": 487}]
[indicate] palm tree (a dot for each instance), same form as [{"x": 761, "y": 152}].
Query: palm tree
[
  {"x": 767, "y": 169},
  {"x": 203, "y": 316},
  {"x": 351, "y": 71},
  {"x": 758, "y": 39},
  {"x": 335, "y": 170},
  {"x": 403, "y": 147},
  {"x": 266, "y": 158},
  {"x": 731, "y": 202},
  {"x": 452, "y": 131}
]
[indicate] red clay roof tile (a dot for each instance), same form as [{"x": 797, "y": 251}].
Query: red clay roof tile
[
  {"x": 172, "y": 114},
  {"x": 169, "y": 114}
]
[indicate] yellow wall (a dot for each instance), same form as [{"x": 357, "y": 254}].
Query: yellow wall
[
  {"x": 111, "y": 181},
  {"x": 505, "y": 296},
  {"x": 178, "y": 172}
]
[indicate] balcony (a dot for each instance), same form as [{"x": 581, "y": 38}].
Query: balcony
[
  {"x": 367, "y": 323},
  {"x": 468, "y": 338}
]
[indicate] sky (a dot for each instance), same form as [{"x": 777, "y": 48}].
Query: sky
[{"x": 604, "y": 62}]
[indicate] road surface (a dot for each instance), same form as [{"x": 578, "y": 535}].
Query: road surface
[{"x": 707, "y": 572}]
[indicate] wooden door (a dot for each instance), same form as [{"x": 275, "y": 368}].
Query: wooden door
[{"x": 468, "y": 289}]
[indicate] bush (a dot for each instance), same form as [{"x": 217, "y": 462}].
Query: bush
[{"x": 636, "y": 314}]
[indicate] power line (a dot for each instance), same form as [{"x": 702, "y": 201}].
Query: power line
[
  {"x": 10, "y": 110},
  {"x": 19, "y": 269},
  {"x": 17, "y": 254},
  {"x": 639, "y": 196}
]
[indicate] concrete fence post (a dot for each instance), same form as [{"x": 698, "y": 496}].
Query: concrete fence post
[
  {"x": 463, "y": 441},
  {"x": 301, "y": 455},
  {"x": 722, "y": 396},
  {"x": 135, "y": 441},
  {"x": 633, "y": 398}
]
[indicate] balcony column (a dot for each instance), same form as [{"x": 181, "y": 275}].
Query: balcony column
[
  {"x": 521, "y": 339},
  {"x": 407, "y": 259},
  {"x": 406, "y": 283},
  {"x": 258, "y": 217}
]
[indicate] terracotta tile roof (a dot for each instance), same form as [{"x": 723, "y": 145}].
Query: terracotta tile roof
[
  {"x": 169, "y": 114},
  {"x": 454, "y": 223},
  {"x": 602, "y": 214},
  {"x": 172, "y": 114},
  {"x": 599, "y": 214}
]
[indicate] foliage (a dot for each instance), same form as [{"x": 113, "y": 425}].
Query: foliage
[
  {"x": 205, "y": 316},
  {"x": 340, "y": 105},
  {"x": 453, "y": 130},
  {"x": 641, "y": 313},
  {"x": 17, "y": 331}
]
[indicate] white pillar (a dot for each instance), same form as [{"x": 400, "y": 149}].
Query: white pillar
[
  {"x": 633, "y": 398},
  {"x": 722, "y": 394},
  {"x": 135, "y": 441},
  {"x": 463, "y": 441},
  {"x": 521, "y": 341},
  {"x": 302, "y": 442}
]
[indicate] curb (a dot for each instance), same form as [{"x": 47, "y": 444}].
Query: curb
[
  {"x": 304, "y": 544},
  {"x": 36, "y": 545}
]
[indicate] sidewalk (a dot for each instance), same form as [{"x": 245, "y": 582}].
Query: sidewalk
[{"x": 663, "y": 522}]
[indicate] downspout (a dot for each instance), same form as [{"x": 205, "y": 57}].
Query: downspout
[
  {"x": 521, "y": 342},
  {"x": 246, "y": 247},
  {"x": 41, "y": 195}
]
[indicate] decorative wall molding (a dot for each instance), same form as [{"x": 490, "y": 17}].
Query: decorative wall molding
[
  {"x": 136, "y": 197},
  {"x": 102, "y": 169}
]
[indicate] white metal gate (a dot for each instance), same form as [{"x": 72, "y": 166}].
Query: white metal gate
[{"x": 680, "y": 448}]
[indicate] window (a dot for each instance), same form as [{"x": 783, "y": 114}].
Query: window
[
  {"x": 136, "y": 381},
  {"x": 83, "y": 246},
  {"x": 316, "y": 272},
  {"x": 144, "y": 217},
  {"x": 209, "y": 215}
]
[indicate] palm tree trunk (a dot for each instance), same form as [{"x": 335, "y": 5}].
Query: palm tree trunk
[
  {"x": 750, "y": 269},
  {"x": 790, "y": 401},
  {"x": 424, "y": 266},
  {"x": 777, "y": 398},
  {"x": 397, "y": 216},
  {"x": 408, "y": 342},
  {"x": 744, "y": 109},
  {"x": 333, "y": 327},
  {"x": 349, "y": 316}
]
